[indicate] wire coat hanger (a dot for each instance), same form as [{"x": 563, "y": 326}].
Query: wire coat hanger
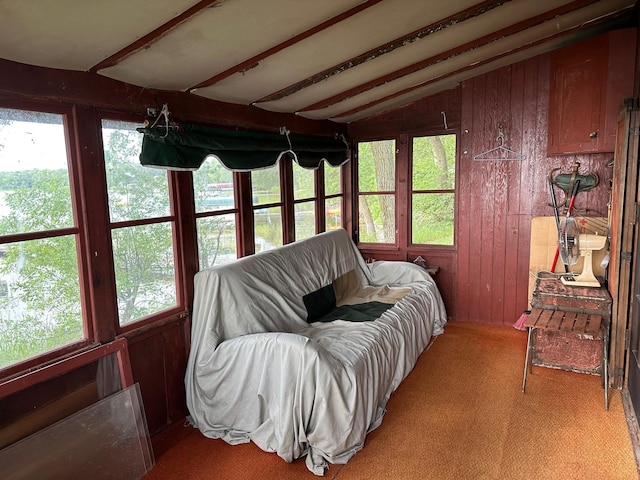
[
  {"x": 500, "y": 152},
  {"x": 166, "y": 124},
  {"x": 286, "y": 132}
]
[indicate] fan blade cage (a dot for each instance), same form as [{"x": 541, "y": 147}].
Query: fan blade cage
[{"x": 569, "y": 241}]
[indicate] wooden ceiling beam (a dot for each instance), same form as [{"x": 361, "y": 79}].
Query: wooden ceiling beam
[
  {"x": 255, "y": 60},
  {"x": 467, "y": 14},
  {"x": 487, "y": 39},
  {"x": 404, "y": 91},
  {"x": 151, "y": 37},
  {"x": 21, "y": 83}
]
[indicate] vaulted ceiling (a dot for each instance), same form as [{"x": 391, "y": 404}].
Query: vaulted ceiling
[{"x": 342, "y": 60}]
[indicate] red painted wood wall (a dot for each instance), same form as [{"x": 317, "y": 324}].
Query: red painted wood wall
[
  {"x": 485, "y": 278},
  {"x": 497, "y": 199}
]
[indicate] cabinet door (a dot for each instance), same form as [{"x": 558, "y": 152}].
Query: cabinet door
[{"x": 578, "y": 83}]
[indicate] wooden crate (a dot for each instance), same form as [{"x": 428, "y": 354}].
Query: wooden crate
[
  {"x": 551, "y": 293},
  {"x": 567, "y": 340},
  {"x": 570, "y": 341}
]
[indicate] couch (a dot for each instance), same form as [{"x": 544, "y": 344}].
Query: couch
[{"x": 299, "y": 348}]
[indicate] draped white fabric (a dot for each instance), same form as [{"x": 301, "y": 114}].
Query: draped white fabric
[{"x": 259, "y": 372}]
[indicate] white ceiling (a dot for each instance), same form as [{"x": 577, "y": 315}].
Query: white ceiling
[{"x": 343, "y": 60}]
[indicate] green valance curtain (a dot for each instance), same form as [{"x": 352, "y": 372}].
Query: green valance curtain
[{"x": 187, "y": 147}]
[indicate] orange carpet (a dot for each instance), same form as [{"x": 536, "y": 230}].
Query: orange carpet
[{"x": 459, "y": 415}]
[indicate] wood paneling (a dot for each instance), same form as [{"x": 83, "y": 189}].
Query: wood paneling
[
  {"x": 90, "y": 89},
  {"x": 497, "y": 199},
  {"x": 433, "y": 115},
  {"x": 159, "y": 360},
  {"x": 485, "y": 277}
]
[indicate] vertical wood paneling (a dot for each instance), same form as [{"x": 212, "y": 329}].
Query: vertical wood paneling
[
  {"x": 539, "y": 196},
  {"x": 484, "y": 224},
  {"x": 464, "y": 214},
  {"x": 474, "y": 222},
  {"x": 175, "y": 362},
  {"x": 512, "y": 307},
  {"x": 501, "y": 196},
  {"x": 146, "y": 354},
  {"x": 496, "y": 200},
  {"x": 527, "y": 172},
  {"x": 158, "y": 361}
]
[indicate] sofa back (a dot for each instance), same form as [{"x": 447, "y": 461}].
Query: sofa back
[{"x": 263, "y": 292}]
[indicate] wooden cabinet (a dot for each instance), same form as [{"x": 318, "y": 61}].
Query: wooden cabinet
[{"x": 589, "y": 81}]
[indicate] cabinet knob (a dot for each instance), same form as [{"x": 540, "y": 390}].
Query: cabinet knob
[{"x": 593, "y": 135}]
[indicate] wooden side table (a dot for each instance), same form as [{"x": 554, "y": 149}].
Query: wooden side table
[{"x": 582, "y": 325}]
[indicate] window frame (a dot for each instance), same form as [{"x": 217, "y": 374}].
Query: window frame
[
  {"x": 235, "y": 211},
  {"x": 285, "y": 182},
  {"x": 412, "y": 192},
  {"x": 79, "y": 230},
  {"x": 94, "y": 249},
  {"x": 313, "y": 199},
  {"x": 322, "y": 196},
  {"x": 288, "y": 201},
  {"x": 396, "y": 195},
  {"x": 180, "y": 309},
  {"x": 403, "y": 248}
]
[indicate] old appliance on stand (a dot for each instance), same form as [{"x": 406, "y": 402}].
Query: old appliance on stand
[{"x": 572, "y": 246}]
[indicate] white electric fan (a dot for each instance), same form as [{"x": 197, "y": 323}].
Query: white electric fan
[{"x": 574, "y": 245}]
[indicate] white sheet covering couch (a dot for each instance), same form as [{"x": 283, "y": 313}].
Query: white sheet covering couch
[{"x": 260, "y": 371}]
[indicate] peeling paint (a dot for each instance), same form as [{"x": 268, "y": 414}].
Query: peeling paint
[{"x": 388, "y": 48}]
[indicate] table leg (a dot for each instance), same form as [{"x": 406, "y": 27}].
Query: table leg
[{"x": 605, "y": 359}]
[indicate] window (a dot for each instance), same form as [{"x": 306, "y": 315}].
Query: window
[
  {"x": 267, "y": 208},
  {"x": 333, "y": 197},
  {"x": 40, "y": 302},
  {"x": 421, "y": 215},
  {"x": 304, "y": 197},
  {"x": 142, "y": 226},
  {"x": 216, "y": 214},
  {"x": 433, "y": 189},
  {"x": 376, "y": 192}
]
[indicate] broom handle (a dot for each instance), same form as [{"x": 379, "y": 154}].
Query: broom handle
[
  {"x": 554, "y": 203},
  {"x": 555, "y": 259},
  {"x": 570, "y": 209},
  {"x": 573, "y": 197}
]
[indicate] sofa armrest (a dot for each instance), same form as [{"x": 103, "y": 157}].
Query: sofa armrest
[{"x": 398, "y": 274}]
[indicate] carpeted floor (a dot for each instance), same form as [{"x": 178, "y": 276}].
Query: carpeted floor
[{"x": 459, "y": 415}]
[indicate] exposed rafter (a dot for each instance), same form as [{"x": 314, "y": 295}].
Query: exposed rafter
[
  {"x": 341, "y": 60},
  {"x": 382, "y": 80},
  {"x": 256, "y": 59},
  {"x": 388, "y": 47},
  {"x": 453, "y": 73},
  {"x": 151, "y": 37}
]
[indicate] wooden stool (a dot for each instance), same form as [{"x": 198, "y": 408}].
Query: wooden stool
[{"x": 581, "y": 324}]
